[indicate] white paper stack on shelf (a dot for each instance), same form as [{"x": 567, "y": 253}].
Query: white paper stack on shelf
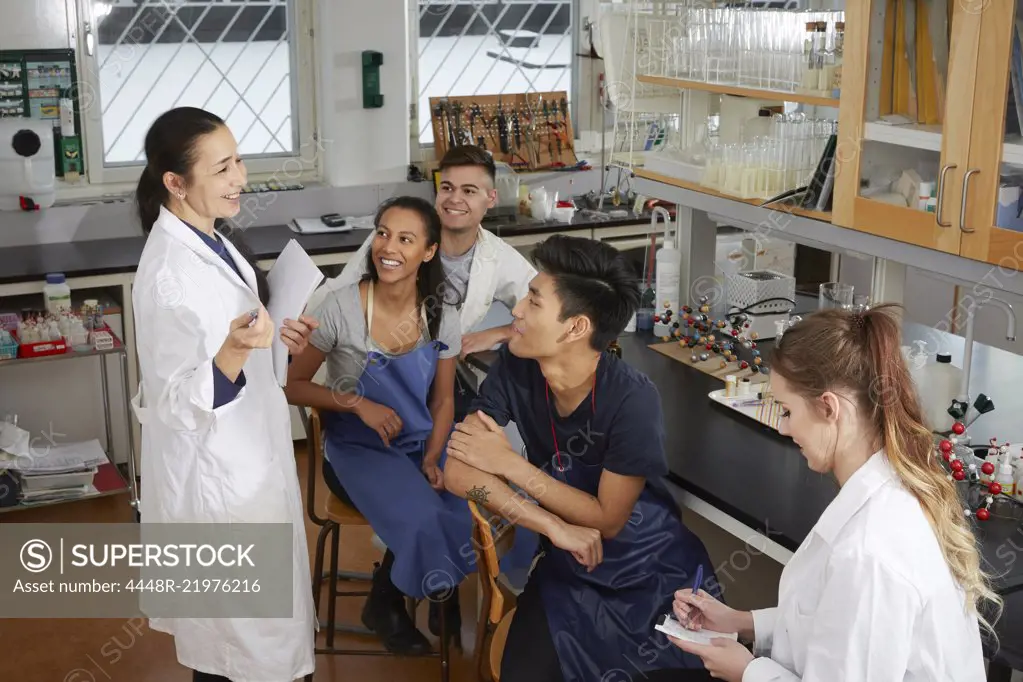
[{"x": 49, "y": 471}]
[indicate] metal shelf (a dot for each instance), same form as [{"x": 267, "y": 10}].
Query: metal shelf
[{"x": 120, "y": 351}]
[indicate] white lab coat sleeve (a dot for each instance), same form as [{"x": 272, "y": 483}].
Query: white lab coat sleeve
[
  {"x": 355, "y": 268},
  {"x": 862, "y": 628},
  {"x": 514, "y": 273},
  {"x": 763, "y": 630},
  {"x": 176, "y": 366}
]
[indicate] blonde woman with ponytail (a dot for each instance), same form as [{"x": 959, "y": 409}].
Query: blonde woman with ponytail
[{"x": 887, "y": 586}]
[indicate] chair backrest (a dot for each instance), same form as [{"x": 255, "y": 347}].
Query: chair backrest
[
  {"x": 488, "y": 550},
  {"x": 314, "y": 447}
]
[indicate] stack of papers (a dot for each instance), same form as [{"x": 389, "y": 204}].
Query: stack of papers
[{"x": 46, "y": 471}]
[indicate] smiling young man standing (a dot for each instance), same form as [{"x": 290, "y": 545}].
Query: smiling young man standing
[
  {"x": 615, "y": 548},
  {"x": 481, "y": 267}
]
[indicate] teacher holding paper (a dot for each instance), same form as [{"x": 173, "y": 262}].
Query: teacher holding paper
[{"x": 216, "y": 430}]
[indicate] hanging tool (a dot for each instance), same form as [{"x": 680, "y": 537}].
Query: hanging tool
[
  {"x": 457, "y": 108},
  {"x": 502, "y": 127},
  {"x": 517, "y": 130},
  {"x": 438, "y": 114},
  {"x": 450, "y": 129}
]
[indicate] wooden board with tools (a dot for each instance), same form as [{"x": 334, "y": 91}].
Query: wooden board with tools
[{"x": 528, "y": 131}]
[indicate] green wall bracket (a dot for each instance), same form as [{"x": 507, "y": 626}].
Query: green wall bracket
[{"x": 371, "y": 97}]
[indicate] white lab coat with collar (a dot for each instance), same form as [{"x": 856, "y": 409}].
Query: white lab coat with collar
[
  {"x": 868, "y": 597},
  {"x": 498, "y": 273},
  {"x": 233, "y": 464}
]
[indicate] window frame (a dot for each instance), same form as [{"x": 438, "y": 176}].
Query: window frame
[
  {"x": 426, "y": 152},
  {"x": 304, "y": 165}
]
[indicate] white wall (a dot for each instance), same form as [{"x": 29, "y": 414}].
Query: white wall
[{"x": 362, "y": 146}]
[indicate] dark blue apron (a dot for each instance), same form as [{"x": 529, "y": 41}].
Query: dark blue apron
[
  {"x": 603, "y": 621},
  {"x": 429, "y": 532}
]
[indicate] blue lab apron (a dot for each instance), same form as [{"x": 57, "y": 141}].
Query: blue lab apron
[
  {"x": 604, "y": 620},
  {"x": 429, "y": 532}
]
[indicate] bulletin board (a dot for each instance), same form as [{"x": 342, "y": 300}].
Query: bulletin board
[
  {"x": 528, "y": 131},
  {"x": 43, "y": 85}
]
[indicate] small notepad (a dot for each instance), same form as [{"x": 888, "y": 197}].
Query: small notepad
[{"x": 670, "y": 626}]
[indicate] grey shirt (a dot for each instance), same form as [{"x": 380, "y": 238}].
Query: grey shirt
[
  {"x": 456, "y": 268},
  {"x": 342, "y": 336}
]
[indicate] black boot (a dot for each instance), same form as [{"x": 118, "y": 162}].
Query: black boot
[
  {"x": 385, "y": 614},
  {"x": 452, "y": 616}
]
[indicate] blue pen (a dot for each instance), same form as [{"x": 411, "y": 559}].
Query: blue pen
[{"x": 696, "y": 592}]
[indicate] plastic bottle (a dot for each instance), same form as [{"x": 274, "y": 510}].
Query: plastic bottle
[
  {"x": 938, "y": 383},
  {"x": 1004, "y": 475},
  {"x": 57, "y": 293},
  {"x": 667, "y": 275}
]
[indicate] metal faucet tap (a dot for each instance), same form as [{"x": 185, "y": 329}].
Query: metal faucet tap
[{"x": 1010, "y": 334}]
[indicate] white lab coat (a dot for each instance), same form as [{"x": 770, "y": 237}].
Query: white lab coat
[
  {"x": 234, "y": 464},
  {"x": 868, "y": 597},
  {"x": 498, "y": 273}
]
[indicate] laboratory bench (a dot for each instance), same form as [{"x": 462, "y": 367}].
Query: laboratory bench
[
  {"x": 754, "y": 483},
  {"x": 91, "y": 258}
]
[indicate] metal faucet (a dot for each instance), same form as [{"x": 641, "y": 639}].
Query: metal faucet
[{"x": 1010, "y": 334}]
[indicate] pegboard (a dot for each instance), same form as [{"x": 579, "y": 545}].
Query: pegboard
[{"x": 528, "y": 131}]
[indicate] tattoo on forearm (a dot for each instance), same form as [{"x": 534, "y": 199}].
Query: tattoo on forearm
[{"x": 478, "y": 494}]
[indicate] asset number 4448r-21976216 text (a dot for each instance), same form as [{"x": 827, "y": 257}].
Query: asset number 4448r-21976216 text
[{"x": 194, "y": 585}]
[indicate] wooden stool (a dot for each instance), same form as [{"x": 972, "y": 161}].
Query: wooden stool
[{"x": 336, "y": 514}]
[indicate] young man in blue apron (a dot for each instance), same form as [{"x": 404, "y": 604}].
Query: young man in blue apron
[
  {"x": 388, "y": 407},
  {"x": 614, "y": 546}
]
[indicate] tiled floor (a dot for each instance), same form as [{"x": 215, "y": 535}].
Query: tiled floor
[{"x": 72, "y": 650}]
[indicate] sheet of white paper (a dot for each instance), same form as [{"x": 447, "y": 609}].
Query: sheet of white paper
[
  {"x": 292, "y": 280},
  {"x": 672, "y": 627}
]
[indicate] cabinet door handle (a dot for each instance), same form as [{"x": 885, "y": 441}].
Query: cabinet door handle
[
  {"x": 962, "y": 211},
  {"x": 941, "y": 192}
]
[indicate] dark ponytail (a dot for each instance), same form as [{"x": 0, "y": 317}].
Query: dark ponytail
[
  {"x": 172, "y": 147},
  {"x": 432, "y": 287}
]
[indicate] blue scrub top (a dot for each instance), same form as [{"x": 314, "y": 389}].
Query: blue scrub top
[
  {"x": 224, "y": 390},
  {"x": 621, "y": 430}
]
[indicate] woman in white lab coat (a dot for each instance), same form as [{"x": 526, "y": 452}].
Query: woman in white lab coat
[
  {"x": 887, "y": 586},
  {"x": 216, "y": 431}
]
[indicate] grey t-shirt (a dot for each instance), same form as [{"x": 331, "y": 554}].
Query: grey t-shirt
[
  {"x": 342, "y": 336},
  {"x": 456, "y": 268}
]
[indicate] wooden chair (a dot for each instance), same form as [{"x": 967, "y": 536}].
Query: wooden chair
[
  {"x": 492, "y": 629},
  {"x": 336, "y": 515}
]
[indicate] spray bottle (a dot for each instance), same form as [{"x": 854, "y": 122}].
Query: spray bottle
[{"x": 666, "y": 276}]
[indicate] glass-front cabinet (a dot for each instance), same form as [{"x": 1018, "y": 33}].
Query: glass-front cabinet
[
  {"x": 909, "y": 86},
  {"x": 991, "y": 222},
  {"x": 931, "y": 148}
]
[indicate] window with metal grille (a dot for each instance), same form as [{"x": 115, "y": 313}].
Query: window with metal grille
[
  {"x": 491, "y": 47},
  {"x": 236, "y": 59}
]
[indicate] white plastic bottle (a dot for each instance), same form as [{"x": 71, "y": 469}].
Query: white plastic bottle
[
  {"x": 1004, "y": 475},
  {"x": 57, "y": 293},
  {"x": 667, "y": 278},
  {"x": 938, "y": 383}
]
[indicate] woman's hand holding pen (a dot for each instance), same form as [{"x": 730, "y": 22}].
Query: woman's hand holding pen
[
  {"x": 699, "y": 611},
  {"x": 248, "y": 331},
  {"x": 724, "y": 658}
]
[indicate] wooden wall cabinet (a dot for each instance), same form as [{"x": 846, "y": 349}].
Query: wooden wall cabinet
[{"x": 965, "y": 151}]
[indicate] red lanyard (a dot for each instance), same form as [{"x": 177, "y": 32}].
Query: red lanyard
[{"x": 550, "y": 414}]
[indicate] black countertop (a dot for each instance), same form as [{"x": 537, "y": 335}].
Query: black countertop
[{"x": 114, "y": 256}]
